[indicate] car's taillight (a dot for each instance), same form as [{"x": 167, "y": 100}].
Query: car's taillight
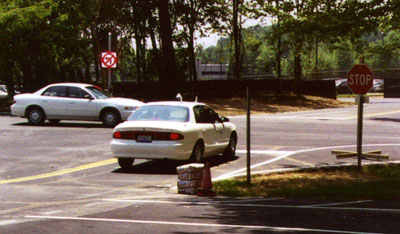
[
  {"x": 175, "y": 136},
  {"x": 155, "y": 136},
  {"x": 117, "y": 135}
]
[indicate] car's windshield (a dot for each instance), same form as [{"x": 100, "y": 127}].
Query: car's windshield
[
  {"x": 97, "y": 92},
  {"x": 160, "y": 113}
]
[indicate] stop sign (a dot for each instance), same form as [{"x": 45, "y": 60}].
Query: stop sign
[{"x": 360, "y": 79}]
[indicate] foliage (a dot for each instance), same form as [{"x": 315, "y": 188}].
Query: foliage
[{"x": 44, "y": 41}]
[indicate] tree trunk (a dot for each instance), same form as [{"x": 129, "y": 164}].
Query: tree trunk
[
  {"x": 144, "y": 63},
  {"x": 138, "y": 57},
  {"x": 168, "y": 65},
  {"x": 236, "y": 39},
  {"x": 279, "y": 57},
  {"x": 297, "y": 71},
  {"x": 8, "y": 78}
]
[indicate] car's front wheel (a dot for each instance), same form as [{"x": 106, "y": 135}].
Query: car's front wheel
[
  {"x": 111, "y": 118},
  {"x": 197, "y": 154},
  {"x": 230, "y": 150},
  {"x": 126, "y": 163},
  {"x": 36, "y": 116}
]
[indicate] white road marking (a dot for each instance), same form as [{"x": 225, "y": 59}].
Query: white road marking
[
  {"x": 321, "y": 207},
  {"x": 188, "y": 203},
  {"x": 289, "y": 153},
  {"x": 52, "y": 212},
  {"x": 273, "y": 152},
  {"x": 313, "y": 116},
  {"x": 295, "y": 117},
  {"x": 305, "y": 167},
  {"x": 208, "y": 225},
  {"x": 97, "y": 194},
  {"x": 8, "y": 222},
  {"x": 338, "y": 203}
]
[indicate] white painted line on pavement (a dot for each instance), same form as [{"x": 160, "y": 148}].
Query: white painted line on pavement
[
  {"x": 257, "y": 205},
  {"x": 273, "y": 152},
  {"x": 188, "y": 203},
  {"x": 295, "y": 117},
  {"x": 289, "y": 153},
  {"x": 208, "y": 225},
  {"x": 98, "y": 194},
  {"x": 338, "y": 203},
  {"x": 52, "y": 212},
  {"x": 8, "y": 222}
]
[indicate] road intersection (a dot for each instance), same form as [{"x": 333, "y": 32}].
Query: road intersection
[{"x": 48, "y": 172}]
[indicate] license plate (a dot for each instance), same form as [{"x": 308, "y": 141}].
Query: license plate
[{"x": 144, "y": 138}]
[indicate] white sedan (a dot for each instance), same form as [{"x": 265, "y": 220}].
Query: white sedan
[
  {"x": 173, "y": 130},
  {"x": 3, "y": 92},
  {"x": 73, "y": 101}
]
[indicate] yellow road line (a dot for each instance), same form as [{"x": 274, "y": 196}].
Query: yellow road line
[
  {"x": 382, "y": 113},
  {"x": 61, "y": 172},
  {"x": 374, "y": 114}
]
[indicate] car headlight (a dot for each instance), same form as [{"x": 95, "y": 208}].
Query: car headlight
[{"x": 130, "y": 108}]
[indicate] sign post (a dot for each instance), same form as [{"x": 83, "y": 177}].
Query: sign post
[
  {"x": 360, "y": 80},
  {"x": 109, "y": 60},
  {"x": 248, "y": 136}
]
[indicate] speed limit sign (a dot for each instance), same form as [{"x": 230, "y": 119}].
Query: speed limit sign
[{"x": 109, "y": 59}]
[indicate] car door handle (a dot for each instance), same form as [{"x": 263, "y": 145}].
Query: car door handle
[
  {"x": 72, "y": 103},
  {"x": 44, "y": 101},
  {"x": 204, "y": 130}
]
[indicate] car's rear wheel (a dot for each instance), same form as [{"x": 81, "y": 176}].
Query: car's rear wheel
[
  {"x": 230, "y": 150},
  {"x": 36, "y": 115},
  {"x": 111, "y": 118},
  {"x": 197, "y": 154},
  {"x": 126, "y": 163}
]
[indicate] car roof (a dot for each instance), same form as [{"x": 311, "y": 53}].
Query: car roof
[
  {"x": 81, "y": 85},
  {"x": 176, "y": 103}
]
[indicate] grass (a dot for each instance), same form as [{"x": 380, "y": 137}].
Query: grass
[
  {"x": 355, "y": 95},
  {"x": 373, "y": 182}
]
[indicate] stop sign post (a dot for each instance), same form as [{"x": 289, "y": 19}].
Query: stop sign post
[{"x": 360, "y": 80}]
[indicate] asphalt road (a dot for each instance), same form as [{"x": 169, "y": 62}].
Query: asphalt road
[{"x": 63, "y": 179}]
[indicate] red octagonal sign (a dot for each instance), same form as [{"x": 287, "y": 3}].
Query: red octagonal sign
[{"x": 360, "y": 79}]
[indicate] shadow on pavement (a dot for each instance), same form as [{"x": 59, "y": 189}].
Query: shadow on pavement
[
  {"x": 168, "y": 167},
  {"x": 387, "y": 119},
  {"x": 64, "y": 125}
]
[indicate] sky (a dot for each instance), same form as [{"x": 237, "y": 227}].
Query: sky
[{"x": 212, "y": 39}]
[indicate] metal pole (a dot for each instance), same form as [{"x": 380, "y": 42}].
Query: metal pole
[
  {"x": 109, "y": 69},
  {"x": 248, "y": 135},
  {"x": 360, "y": 129}
]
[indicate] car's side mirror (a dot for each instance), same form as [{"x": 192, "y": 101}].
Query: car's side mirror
[
  {"x": 223, "y": 119},
  {"x": 87, "y": 96}
]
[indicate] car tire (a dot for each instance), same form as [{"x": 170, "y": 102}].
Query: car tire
[
  {"x": 230, "y": 150},
  {"x": 36, "y": 116},
  {"x": 111, "y": 118},
  {"x": 54, "y": 121},
  {"x": 126, "y": 163},
  {"x": 197, "y": 154}
]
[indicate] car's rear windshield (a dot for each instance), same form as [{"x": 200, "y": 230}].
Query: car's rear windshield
[
  {"x": 160, "y": 113},
  {"x": 98, "y": 93}
]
